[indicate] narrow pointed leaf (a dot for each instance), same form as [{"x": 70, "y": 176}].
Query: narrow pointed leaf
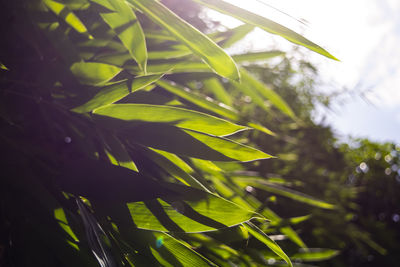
[
  {"x": 199, "y": 43},
  {"x": 237, "y": 34},
  {"x": 195, "y": 211},
  {"x": 257, "y": 56},
  {"x": 213, "y": 86},
  {"x": 67, "y": 15},
  {"x": 261, "y": 128},
  {"x": 3, "y": 67},
  {"x": 283, "y": 191},
  {"x": 115, "y": 92},
  {"x": 106, "y": 96},
  {"x": 261, "y": 236},
  {"x": 168, "y": 54},
  {"x": 193, "y": 144},
  {"x": 126, "y": 25},
  {"x": 315, "y": 254},
  {"x": 177, "y": 168},
  {"x": 183, "y": 253},
  {"x": 117, "y": 150},
  {"x": 263, "y": 23},
  {"x": 198, "y": 100},
  {"x": 183, "y": 118},
  {"x": 93, "y": 73},
  {"x": 266, "y": 92}
]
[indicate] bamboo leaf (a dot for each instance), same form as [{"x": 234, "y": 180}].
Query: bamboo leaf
[
  {"x": 183, "y": 118},
  {"x": 237, "y": 34},
  {"x": 117, "y": 151},
  {"x": 192, "y": 144},
  {"x": 3, "y": 67},
  {"x": 213, "y": 86},
  {"x": 261, "y": 236},
  {"x": 261, "y": 128},
  {"x": 115, "y": 92},
  {"x": 314, "y": 254},
  {"x": 195, "y": 211},
  {"x": 257, "y": 56},
  {"x": 176, "y": 167},
  {"x": 106, "y": 96},
  {"x": 200, "y": 44},
  {"x": 126, "y": 25},
  {"x": 68, "y": 16},
  {"x": 198, "y": 100},
  {"x": 182, "y": 251},
  {"x": 283, "y": 191},
  {"x": 93, "y": 73},
  {"x": 263, "y": 23},
  {"x": 265, "y": 91}
]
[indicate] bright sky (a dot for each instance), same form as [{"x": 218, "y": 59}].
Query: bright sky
[{"x": 365, "y": 36}]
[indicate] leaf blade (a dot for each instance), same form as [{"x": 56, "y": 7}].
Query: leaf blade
[
  {"x": 261, "y": 236},
  {"x": 183, "y": 118},
  {"x": 200, "y": 44},
  {"x": 263, "y": 23}
]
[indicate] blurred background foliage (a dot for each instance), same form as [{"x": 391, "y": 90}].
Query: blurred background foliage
[{"x": 329, "y": 203}]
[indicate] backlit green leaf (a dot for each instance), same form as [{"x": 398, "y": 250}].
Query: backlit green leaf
[
  {"x": 263, "y": 23},
  {"x": 193, "y": 144},
  {"x": 314, "y": 254},
  {"x": 199, "y": 43},
  {"x": 93, "y": 73},
  {"x": 257, "y": 56},
  {"x": 283, "y": 191},
  {"x": 126, "y": 25},
  {"x": 183, "y": 118},
  {"x": 261, "y": 236},
  {"x": 195, "y": 211},
  {"x": 213, "y": 86},
  {"x": 66, "y": 14},
  {"x": 200, "y": 101},
  {"x": 3, "y": 67},
  {"x": 265, "y": 91}
]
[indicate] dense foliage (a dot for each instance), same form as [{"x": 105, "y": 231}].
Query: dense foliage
[{"x": 126, "y": 140}]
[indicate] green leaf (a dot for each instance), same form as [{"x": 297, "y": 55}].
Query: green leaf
[
  {"x": 313, "y": 254},
  {"x": 67, "y": 15},
  {"x": 126, "y": 25},
  {"x": 236, "y": 34},
  {"x": 183, "y": 118},
  {"x": 117, "y": 151},
  {"x": 176, "y": 167},
  {"x": 199, "y": 43},
  {"x": 261, "y": 236},
  {"x": 283, "y": 191},
  {"x": 115, "y": 92},
  {"x": 182, "y": 251},
  {"x": 193, "y": 144},
  {"x": 200, "y": 101},
  {"x": 59, "y": 215},
  {"x": 106, "y": 96},
  {"x": 214, "y": 86},
  {"x": 195, "y": 211},
  {"x": 93, "y": 73},
  {"x": 263, "y": 23},
  {"x": 265, "y": 91},
  {"x": 168, "y": 54},
  {"x": 3, "y": 67},
  {"x": 261, "y": 128},
  {"x": 286, "y": 230},
  {"x": 257, "y": 56}
]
